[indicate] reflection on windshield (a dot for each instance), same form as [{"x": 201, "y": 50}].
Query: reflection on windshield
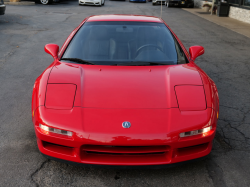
[{"x": 110, "y": 43}]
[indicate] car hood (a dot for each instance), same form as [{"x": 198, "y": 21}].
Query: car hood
[{"x": 127, "y": 87}]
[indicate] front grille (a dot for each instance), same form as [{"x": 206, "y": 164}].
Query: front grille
[
  {"x": 58, "y": 148},
  {"x": 94, "y": 152},
  {"x": 185, "y": 151},
  {"x": 124, "y": 154},
  {"x": 103, "y": 149},
  {"x": 89, "y": 3}
]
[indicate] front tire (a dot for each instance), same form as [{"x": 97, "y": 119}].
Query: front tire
[
  {"x": 103, "y": 3},
  {"x": 153, "y": 4},
  {"x": 45, "y": 2}
]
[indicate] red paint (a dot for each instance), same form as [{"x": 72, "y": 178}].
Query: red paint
[
  {"x": 196, "y": 51},
  {"x": 127, "y": 89},
  {"x": 190, "y": 98},
  {"x": 60, "y": 96},
  {"x": 160, "y": 103},
  {"x": 117, "y": 17},
  {"x": 52, "y": 49}
]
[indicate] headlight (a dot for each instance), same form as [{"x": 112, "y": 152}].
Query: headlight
[
  {"x": 196, "y": 132},
  {"x": 60, "y": 96},
  {"x": 190, "y": 98},
  {"x": 46, "y": 130}
]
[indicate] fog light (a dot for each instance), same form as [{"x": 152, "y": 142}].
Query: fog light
[
  {"x": 192, "y": 133},
  {"x": 47, "y": 129}
]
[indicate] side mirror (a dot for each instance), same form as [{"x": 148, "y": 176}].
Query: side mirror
[
  {"x": 196, "y": 51},
  {"x": 52, "y": 49}
]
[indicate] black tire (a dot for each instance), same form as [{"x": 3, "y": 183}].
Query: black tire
[
  {"x": 103, "y": 3},
  {"x": 153, "y": 4}
]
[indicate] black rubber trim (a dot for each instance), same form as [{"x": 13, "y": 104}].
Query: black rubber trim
[{"x": 125, "y": 167}]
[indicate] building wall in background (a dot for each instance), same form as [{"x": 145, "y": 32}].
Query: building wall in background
[{"x": 240, "y": 14}]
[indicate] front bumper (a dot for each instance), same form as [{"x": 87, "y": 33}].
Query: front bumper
[
  {"x": 89, "y": 146},
  {"x": 2, "y": 9},
  {"x": 88, "y": 2},
  {"x": 159, "y": 2},
  {"x": 127, "y": 167}
]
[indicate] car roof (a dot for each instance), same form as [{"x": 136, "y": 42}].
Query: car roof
[{"x": 118, "y": 17}]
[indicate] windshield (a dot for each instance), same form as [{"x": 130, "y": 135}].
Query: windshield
[{"x": 124, "y": 43}]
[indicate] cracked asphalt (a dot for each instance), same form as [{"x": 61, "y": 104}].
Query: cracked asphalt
[{"x": 24, "y": 31}]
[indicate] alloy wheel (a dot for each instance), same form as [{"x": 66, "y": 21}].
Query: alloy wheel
[{"x": 44, "y": 2}]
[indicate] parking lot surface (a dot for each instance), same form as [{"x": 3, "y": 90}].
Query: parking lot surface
[{"x": 24, "y": 31}]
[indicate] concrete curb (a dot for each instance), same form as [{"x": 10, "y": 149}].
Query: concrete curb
[{"x": 25, "y": 3}]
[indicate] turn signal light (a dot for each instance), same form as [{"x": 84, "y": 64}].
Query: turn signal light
[
  {"x": 47, "y": 129},
  {"x": 196, "y": 132}
]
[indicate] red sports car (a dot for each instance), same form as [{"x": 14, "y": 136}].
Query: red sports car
[{"x": 124, "y": 91}]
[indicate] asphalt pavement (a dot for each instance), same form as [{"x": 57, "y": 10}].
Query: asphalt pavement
[{"x": 24, "y": 30}]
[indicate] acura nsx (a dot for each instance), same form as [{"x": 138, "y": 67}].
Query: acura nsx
[{"x": 124, "y": 91}]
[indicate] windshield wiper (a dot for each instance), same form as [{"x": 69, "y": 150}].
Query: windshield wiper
[
  {"x": 144, "y": 63},
  {"x": 78, "y": 60}
]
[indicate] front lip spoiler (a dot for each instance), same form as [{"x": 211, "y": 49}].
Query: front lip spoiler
[{"x": 126, "y": 167}]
